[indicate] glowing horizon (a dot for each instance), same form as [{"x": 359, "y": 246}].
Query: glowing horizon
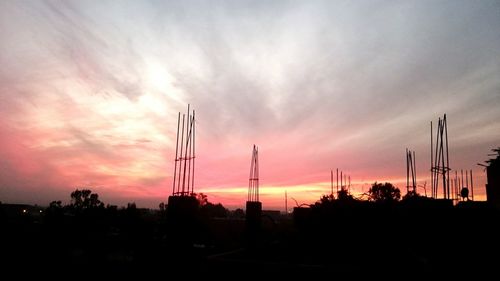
[{"x": 89, "y": 95}]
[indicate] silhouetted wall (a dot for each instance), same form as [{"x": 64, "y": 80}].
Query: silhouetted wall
[
  {"x": 253, "y": 215},
  {"x": 493, "y": 185}
]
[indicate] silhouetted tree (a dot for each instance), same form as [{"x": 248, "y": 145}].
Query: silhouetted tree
[
  {"x": 85, "y": 199},
  {"x": 384, "y": 193},
  {"x": 55, "y": 209},
  {"x": 213, "y": 210},
  {"x": 162, "y": 207},
  {"x": 238, "y": 213},
  {"x": 56, "y": 204},
  {"x": 202, "y": 198},
  {"x": 343, "y": 195},
  {"x": 410, "y": 195},
  {"x": 325, "y": 199}
]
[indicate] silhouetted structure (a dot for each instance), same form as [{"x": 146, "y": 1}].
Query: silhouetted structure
[
  {"x": 253, "y": 206},
  {"x": 440, "y": 161},
  {"x": 493, "y": 179},
  {"x": 345, "y": 183},
  {"x": 463, "y": 189},
  {"x": 183, "y": 183},
  {"x": 183, "y": 206},
  {"x": 411, "y": 171}
]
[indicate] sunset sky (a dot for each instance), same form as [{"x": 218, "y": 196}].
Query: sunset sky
[{"x": 90, "y": 91}]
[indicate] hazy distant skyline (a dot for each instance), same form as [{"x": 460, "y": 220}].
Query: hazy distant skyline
[{"x": 90, "y": 90}]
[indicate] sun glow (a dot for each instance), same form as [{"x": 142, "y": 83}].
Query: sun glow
[{"x": 160, "y": 80}]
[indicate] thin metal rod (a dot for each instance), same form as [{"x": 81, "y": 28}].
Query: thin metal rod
[
  {"x": 189, "y": 155},
  {"x": 467, "y": 179},
  {"x": 463, "y": 185},
  {"x": 176, "y": 149},
  {"x": 436, "y": 161},
  {"x": 407, "y": 173},
  {"x": 251, "y": 176},
  {"x": 447, "y": 171},
  {"x": 194, "y": 157},
  {"x": 432, "y": 173},
  {"x": 185, "y": 152},
  {"x": 441, "y": 150},
  {"x": 180, "y": 158},
  {"x": 257, "y": 169},
  {"x": 337, "y": 181},
  {"x": 471, "y": 186},
  {"x": 414, "y": 173},
  {"x": 341, "y": 185},
  {"x": 331, "y": 182}
]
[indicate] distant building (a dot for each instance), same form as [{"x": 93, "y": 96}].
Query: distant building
[
  {"x": 273, "y": 214},
  {"x": 493, "y": 180}
]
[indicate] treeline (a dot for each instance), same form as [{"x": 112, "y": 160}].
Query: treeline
[{"x": 84, "y": 202}]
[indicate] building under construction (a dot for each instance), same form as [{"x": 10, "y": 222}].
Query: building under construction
[
  {"x": 183, "y": 205},
  {"x": 253, "y": 205}
]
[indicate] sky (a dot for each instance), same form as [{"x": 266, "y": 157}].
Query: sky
[{"x": 90, "y": 92}]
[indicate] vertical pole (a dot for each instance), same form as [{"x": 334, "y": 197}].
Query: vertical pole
[
  {"x": 447, "y": 171},
  {"x": 185, "y": 152},
  {"x": 460, "y": 185},
  {"x": 467, "y": 182},
  {"x": 466, "y": 179},
  {"x": 189, "y": 154},
  {"x": 194, "y": 143},
  {"x": 441, "y": 150},
  {"x": 407, "y": 173},
  {"x": 432, "y": 175},
  {"x": 436, "y": 161},
  {"x": 250, "y": 181},
  {"x": 463, "y": 185},
  {"x": 180, "y": 158},
  {"x": 331, "y": 182},
  {"x": 257, "y": 170},
  {"x": 337, "y": 181},
  {"x": 341, "y": 186},
  {"x": 453, "y": 189},
  {"x": 414, "y": 173},
  {"x": 176, "y": 149},
  {"x": 471, "y": 186}
]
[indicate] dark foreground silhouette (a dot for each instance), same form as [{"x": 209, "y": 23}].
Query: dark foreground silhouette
[{"x": 417, "y": 237}]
